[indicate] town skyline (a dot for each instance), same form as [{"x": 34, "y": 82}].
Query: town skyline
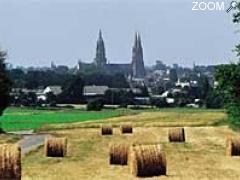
[
  {"x": 55, "y": 62},
  {"x": 37, "y": 32}
]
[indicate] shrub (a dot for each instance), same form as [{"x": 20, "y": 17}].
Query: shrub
[
  {"x": 159, "y": 102},
  {"x": 95, "y": 105}
]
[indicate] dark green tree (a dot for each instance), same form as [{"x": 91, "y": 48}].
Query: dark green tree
[
  {"x": 104, "y": 79},
  {"x": 74, "y": 92},
  {"x": 51, "y": 99},
  {"x": 173, "y": 75},
  {"x": 120, "y": 97},
  {"x": 228, "y": 77},
  {"x": 5, "y": 83},
  {"x": 17, "y": 76},
  {"x": 95, "y": 104},
  {"x": 214, "y": 100}
]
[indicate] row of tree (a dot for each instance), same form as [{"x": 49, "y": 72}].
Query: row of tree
[{"x": 34, "y": 79}]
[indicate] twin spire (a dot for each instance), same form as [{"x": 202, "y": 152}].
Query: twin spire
[{"x": 137, "y": 64}]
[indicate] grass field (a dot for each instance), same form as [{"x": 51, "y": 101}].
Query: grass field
[
  {"x": 22, "y": 119},
  {"x": 155, "y": 118}
]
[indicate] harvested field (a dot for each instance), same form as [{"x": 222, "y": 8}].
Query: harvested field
[{"x": 203, "y": 156}]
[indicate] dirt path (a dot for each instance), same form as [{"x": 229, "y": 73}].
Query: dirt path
[{"x": 30, "y": 140}]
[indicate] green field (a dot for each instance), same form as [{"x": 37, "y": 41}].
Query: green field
[
  {"x": 22, "y": 118},
  {"x": 25, "y": 118}
]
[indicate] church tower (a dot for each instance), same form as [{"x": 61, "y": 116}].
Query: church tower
[
  {"x": 138, "y": 69},
  {"x": 100, "y": 60}
]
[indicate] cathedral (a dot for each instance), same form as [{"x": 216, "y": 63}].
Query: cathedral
[{"x": 135, "y": 69}]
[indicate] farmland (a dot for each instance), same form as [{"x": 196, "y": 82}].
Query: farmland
[{"x": 202, "y": 156}]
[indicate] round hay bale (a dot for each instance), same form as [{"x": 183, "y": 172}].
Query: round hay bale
[
  {"x": 10, "y": 162},
  {"x": 233, "y": 147},
  {"x": 126, "y": 129},
  {"x": 55, "y": 147},
  {"x": 106, "y": 130},
  {"x": 118, "y": 154},
  {"x": 176, "y": 135},
  {"x": 147, "y": 161}
]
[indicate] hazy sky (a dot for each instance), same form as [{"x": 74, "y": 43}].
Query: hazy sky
[{"x": 35, "y": 32}]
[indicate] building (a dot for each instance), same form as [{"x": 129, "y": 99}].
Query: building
[
  {"x": 93, "y": 91},
  {"x": 100, "y": 60},
  {"x": 135, "y": 69},
  {"x": 138, "y": 70},
  {"x": 56, "y": 90}
]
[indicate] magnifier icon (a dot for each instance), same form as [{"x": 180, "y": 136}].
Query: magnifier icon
[{"x": 233, "y": 5}]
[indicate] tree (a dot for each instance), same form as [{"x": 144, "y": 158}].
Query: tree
[
  {"x": 159, "y": 102},
  {"x": 74, "y": 92},
  {"x": 213, "y": 100},
  {"x": 51, "y": 99},
  {"x": 104, "y": 79},
  {"x": 5, "y": 83},
  {"x": 144, "y": 91},
  {"x": 173, "y": 75},
  {"x": 158, "y": 90},
  {"x": 17, "y": 76},
  {"x": 95, "y": 104},
  {"x": 228, "y": 78},
  {"x": 204, "y": 88},
  {"x": 120, "y": 97}
]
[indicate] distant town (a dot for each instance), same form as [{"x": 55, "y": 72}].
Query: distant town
[{"x": 115, "y": 84}]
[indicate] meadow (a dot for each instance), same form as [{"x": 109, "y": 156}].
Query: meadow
[{"x": 15, "y": 119}]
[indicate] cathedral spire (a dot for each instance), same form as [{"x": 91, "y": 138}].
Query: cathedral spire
[
  {"x": 136, "y": 40},
  {"x": 100, "y": 59},
  {"x": 139, "y": 42},
  {"x": 100, "y": 35},
  {"x": 137, "y": 58}
]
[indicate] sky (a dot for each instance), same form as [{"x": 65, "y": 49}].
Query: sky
[{"x": 36, "y": 32}]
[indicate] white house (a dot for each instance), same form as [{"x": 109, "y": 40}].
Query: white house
[{"x": 56, "y": 90}]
